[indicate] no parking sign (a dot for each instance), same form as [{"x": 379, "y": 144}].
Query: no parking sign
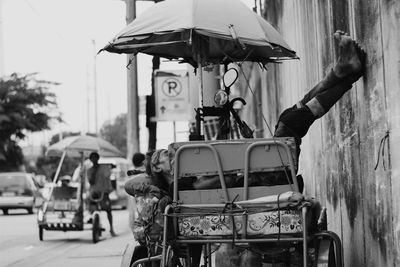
[{"x": 172, "y": 96}]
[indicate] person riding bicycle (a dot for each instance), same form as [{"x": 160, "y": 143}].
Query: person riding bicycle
[{"x": 100, "y": 186}]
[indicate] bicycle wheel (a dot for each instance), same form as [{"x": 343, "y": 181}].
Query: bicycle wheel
[
  {"x": 96, "y": 229},
  {"x": 41, "y": 230}
]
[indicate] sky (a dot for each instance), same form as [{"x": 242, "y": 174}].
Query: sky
[{"x": 59, "y": 39}]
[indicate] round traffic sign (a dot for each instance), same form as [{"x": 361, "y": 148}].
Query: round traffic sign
[{"x": 171, "y": 87}]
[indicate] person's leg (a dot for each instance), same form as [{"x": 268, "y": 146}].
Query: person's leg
[
  {"x": 323, "y": 101},
  {"x": 110, "y": 220},
  {"x": 349, "y": 62},
  {"x": 296, "y": 120},
  {"x": 327, "y": 82},
  {"x": 348, "y": 69},
  {"x": 107, "y": 208}
]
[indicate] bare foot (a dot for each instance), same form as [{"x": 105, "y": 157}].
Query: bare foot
[
  {"x": 351, "y": 56},
  {"x": 112, "y": 233}
]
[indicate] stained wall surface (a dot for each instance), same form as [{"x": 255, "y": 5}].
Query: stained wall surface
[{"x": 351, "y": 157}]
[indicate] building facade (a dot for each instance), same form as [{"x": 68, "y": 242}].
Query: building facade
[{"x": 350, "y": 158}]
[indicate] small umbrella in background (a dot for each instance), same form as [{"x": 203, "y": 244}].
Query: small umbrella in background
[{"x": 74, "y": 146}]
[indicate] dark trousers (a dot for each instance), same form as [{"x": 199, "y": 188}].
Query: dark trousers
[{"x": 295, "y": 121}]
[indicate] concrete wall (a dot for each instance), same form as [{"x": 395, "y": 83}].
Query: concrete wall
[{"x": 341, "y": 150}]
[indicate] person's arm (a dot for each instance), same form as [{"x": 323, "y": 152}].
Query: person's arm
[{"x": 213, "y": 182}]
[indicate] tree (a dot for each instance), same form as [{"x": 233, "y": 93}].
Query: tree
[
  {"x": 114, "y": 131},
  {"x": 47, "y": 165},
  {"x": 26, "y": 105}
]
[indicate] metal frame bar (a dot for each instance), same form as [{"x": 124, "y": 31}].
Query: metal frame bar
[
  {"x": 267, "y": 143},
  {"x": 53, "y": 184},
  {"x": 208, "y": 241},
  {"x": 217, "y": 160},
  {"x": 150, "y": 259},
  {"x": 338, "y": 245}
]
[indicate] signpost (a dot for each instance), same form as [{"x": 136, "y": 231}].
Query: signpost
[{"x": 172, "y": 96}]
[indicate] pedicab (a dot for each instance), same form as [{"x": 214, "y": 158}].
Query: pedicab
[
  {"x": 65, "y": 205},
  {"x": 258, "y": 205}
]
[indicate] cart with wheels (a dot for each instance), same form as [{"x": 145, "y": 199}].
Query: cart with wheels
[
  {"x": 63, "y": 211},
  {"x": 64, "y": 207},
  {"x": 257, "y": 210}
]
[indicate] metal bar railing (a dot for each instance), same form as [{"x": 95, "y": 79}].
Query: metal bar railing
[{"x": 217, "y": 160}]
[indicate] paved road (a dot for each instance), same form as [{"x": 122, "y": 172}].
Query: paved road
[{"x": 20, "y": 245}]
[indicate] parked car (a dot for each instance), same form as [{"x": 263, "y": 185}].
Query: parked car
[{"x": 17, "y": 191}]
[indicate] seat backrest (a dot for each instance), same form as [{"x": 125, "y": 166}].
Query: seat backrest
[
  {"x": 196, "y": 161},
  {"x": 226, "y": 157},
  {"x": 65, "y": 192}
]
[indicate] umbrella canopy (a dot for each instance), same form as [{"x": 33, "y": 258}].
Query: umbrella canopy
[
  {"x": 202, "y": 32},
  {"x": 75, "y": 145}
]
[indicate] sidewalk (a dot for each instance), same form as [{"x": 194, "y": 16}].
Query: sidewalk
[{"x": 79, "y": 251}]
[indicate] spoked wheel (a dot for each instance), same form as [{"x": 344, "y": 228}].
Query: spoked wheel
[
  {"x": 41, "y": 230},
  {"x": 96, "y": 229},
  {"x": 326, "y": 256}
]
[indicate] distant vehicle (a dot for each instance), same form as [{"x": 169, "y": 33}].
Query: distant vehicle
[
  {"x": 17, "y": 191},
  {"x": 118, "y": 197}
]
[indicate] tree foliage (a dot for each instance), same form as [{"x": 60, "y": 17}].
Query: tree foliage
[
  {"x": 114, "y": 131},
  {"x": 26, "y": 105},
  {"x": 48, "y": 165}
]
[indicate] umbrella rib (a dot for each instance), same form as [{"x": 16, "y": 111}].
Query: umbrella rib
[
  {"x": 134, "y": 46},
  {"x": 235, "y": 36}
]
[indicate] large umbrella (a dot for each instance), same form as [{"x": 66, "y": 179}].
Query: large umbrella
[
  {"x": 201, "y": 32},
  {"x": 74, "y": 146}
]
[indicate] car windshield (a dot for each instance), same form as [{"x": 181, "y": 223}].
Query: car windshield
[{"x": 9, "y": 182}]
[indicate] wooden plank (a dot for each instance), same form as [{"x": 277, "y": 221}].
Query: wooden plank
[
  {"x": 373, "y": 123},
  {"x": 359, "y": 115},
  {"x": 390, "y": 16}
]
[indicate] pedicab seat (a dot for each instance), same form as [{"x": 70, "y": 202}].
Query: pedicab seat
[
  {"x": 280, "y": 216},
  {"x": 257, "y": 205},
  {"x": 65, "y": 198},
  {"x": 270, "y": 202},
  {"x": 265, "y": 156}
]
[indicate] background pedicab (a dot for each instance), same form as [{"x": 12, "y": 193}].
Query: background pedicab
[
  {"x": 205, "y": 32},
  {"x": 65, "y": 213}
]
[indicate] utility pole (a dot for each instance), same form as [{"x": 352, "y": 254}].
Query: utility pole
[
  {"x": 96, "y": 110},
  {"x": 133, "y": 144},
  {"x": 1, "y": 40}
]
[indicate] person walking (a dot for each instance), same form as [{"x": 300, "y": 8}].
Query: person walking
[{"x": 100, "y": 184}]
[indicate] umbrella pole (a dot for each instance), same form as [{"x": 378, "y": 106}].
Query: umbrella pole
[
  {"x": 200, "y": 71},
  {"x": 55, "y": 179},
  {"x": 82, "y": 185}
]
